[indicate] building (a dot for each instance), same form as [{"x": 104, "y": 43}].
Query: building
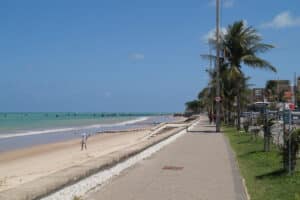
[
  {"x": 258, "y": 95},
  {"x": 278, "y": 90},
  {"x": 298, "y": 84},
  {"x": 283, "y": 85}
]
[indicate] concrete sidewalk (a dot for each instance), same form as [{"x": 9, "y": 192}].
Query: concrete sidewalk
[{"x": 199, "y": 166}]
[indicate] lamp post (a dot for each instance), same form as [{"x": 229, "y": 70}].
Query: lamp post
[{"x": 218, "y": 122}]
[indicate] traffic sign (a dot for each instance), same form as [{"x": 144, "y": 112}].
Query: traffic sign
[
  {"x": 286, "y": 116},
  {"x": 292, "y": 106},
  {"x": 218, "y": 99}
]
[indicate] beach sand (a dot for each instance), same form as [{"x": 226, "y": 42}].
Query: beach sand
[{"x": 24, "y": 165}]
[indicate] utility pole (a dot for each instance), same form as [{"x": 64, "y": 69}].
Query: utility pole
[
  {"x": 218, "y": 99},
  {"x": 277, "y": 97},
  {"x": 210, "y": 88},
  {"x": 295, "y": 89}
]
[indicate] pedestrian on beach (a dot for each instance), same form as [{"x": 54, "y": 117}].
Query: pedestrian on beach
[{"x": 84, "y": 138}]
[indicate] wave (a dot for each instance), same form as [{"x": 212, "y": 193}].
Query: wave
[{"x": 95, "y": 126}]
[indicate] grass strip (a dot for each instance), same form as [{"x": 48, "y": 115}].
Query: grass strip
[{"x": 265, "y": 178}]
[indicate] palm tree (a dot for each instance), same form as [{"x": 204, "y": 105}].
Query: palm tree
[
  {"x": 193, "y": 106},
  {"x": 203, "y": 103},
  {"x": 205, "y": 96},
  {"x": 271, "y": 90},
  {"x": 241, "y": 45}
]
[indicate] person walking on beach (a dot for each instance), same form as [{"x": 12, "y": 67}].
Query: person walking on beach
[{"x": 83, "y": 140}]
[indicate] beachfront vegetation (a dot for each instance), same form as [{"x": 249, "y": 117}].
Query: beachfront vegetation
[
  {"x": 263, "y": 172},
  {"x": 271, "y": 90},
  {"x": 294, "y": 149},
  {"x": 193, "y": 106},
  {"x": 264, "y": 165},
  {"x": 240, "y": 46}
]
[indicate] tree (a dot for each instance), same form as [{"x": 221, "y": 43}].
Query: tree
[
  {"x": 289, "y": 163},
  {"x": 193, "y": 106},
  {"x": 205, "y": 98},
  {"x": 271, "y": 90},
  {"x": 241, "y": 45}
]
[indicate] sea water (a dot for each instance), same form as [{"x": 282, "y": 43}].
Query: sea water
[{"x": 20, "y": 130}]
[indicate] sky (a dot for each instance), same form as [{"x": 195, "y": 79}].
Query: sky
[{"x": 127, "y": 56}]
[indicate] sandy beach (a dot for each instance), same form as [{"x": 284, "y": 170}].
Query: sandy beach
[{"x": 24, "y": 165}]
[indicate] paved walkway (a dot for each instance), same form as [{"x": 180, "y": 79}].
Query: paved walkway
[{"x": 198, "y": 165}]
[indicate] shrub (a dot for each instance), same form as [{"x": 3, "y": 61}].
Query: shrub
[
  {"x": 294, "y": 140},
  {"x": 246, "y": 125}
]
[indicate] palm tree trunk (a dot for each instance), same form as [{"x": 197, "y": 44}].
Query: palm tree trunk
[
  {"x": 238, "y": 110},
  {"x": 222, "y": 118},
  {"x": 229, "y": 113},
  {"x": 226, "y": 112},
  {"x": 267, "y": 133}
]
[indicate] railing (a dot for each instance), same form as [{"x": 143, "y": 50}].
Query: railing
[{"x": 277, "y": 129}]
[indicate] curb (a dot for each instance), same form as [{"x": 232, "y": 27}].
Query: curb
[
  {"x": 240, "y": 183},
  {"x": 246, "y": 190}
]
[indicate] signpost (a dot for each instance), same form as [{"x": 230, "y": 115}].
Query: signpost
[
  {"x": 218, "y": 99},
  {"x": 286, "y": 116}
]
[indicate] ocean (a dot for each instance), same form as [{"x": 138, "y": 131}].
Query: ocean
[{"x": 20, "y": 130}]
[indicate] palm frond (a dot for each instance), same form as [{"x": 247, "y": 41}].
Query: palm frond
[
  {"x": 208, "y": 57},
  {"x": 261, "y": 48},
  {"x": 256, "y": 62}
]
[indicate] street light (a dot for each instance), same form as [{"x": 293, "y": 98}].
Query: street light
[{"x": 218, "y": 99}]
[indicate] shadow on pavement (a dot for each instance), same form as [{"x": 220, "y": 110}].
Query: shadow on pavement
[
  {"x": 209, "y": 126},
  {"x": 201, "y": 131}
]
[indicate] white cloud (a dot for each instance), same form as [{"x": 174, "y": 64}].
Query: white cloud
[
  {"x": 223, "y": 3},
  {"x": 212, "y": 34},
  {"x": 136, "y": 56},
  {"x": 283, "y": 20}
]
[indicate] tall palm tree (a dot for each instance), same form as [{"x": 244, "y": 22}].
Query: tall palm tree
[
  {"x": 205, "y": 96},
  {"x": 241, "y": 45},
  {"x": 230, "y": 90}
]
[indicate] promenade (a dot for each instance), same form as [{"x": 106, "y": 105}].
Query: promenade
[{"x": 199, "y": 165}]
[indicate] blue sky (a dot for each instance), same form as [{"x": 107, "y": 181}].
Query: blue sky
[{"x": 133, "y": 55}]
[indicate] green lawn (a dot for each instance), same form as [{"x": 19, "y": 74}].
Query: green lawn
[{"x": 262, "y": 171}]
